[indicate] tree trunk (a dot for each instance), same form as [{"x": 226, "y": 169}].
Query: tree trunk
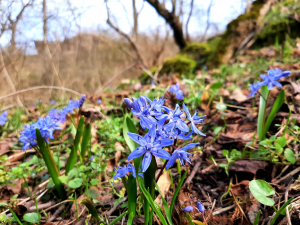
[
  {"x": 172, "y": 20},
  {"x": 135, "y": 21}
]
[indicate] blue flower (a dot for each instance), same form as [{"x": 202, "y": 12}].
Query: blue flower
[
  {"x": 58, "y": 115},
  {"x": 175, "y": 89},
  {"x": 194, "y": 120},
  {"x": 180, "y": 135},
  {"x": 175, "y": 118},
  {"x": 99, "y": 101},
  {"x": 254, "y": 88},
  {"x": 181, "y": 154},
  {"x": 3, "y": 118},
  {"x": 200, "y": 207},
  {"x": 45, "y": 125},
  {"x": 188, "y": 209},
  {"x": 52, "y": 102},
  {"x": 273, "y": 76},
  {"x": 122, "y": 171},
  {"x": 92, "y": 157},
  {"x": 81, "y": 101},
  {"x": 148, "y": 146}
]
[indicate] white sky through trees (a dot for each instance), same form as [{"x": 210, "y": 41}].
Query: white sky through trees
[{"x": 91, "y": 15}]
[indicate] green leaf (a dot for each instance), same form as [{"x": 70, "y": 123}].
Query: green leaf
[
  {"x": 217, "y": 130},
  {"x": 76, "y": 183},
  {"x": 129, "y": 126},
  {"x": 177, "y": 191},
  {"x": 277, "y": 105},
  {"x": 50, "y": 163},
  {"x": 261, "y": 190},
  {"x": 282, "y": 141},
  {"x": 93, "y": 193},
  {"x": 216, "y": 86},
  {"x": 262, "y": 112},
  {"x": 221, "y": 106},
  {"x": 132, "y": 195},
  {"x": 32, "y": 217},
  {"x": 290, "y": 155},
  {"x": 73, "y": 155},
  {"x": 225, "y": 152},
  {"x": 85, "y": 140},
  {"x": 130, "y": 218},
  {"x": 63, "y": 179},
  {"x": 89, "y": 204},
  {"x": 278, "y": 148},
  {"x": 150, "y": 200},
  {"x": 93, "y": 182}
]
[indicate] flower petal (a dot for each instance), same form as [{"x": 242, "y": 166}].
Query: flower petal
[
  {"x": 137, "y": 138},
  {"x": 172, "y": 160},
  {"x": 187, "y": 111},
  {"x": 161, "y": 153},
  {"x": 189, "y": 146},
  {"x": 137, "y": 153},
  {"x": 163, "y": 143},
  {"x": 146, "y": 161}
]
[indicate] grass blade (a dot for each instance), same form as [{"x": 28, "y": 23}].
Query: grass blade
[
  {"x": 128, "y": 126},
  {"x": 150, "y": 186},
  {"x": 15, "y": 216},
  {"x": 49, "y": 161},
  {"x": 118, "y": 218},
  {"x": 280, "y": 211},
  {"x": 85, "y": 140},
  {"x": 277, "y": 105},
  {"x": 262, "y": 111},
  {"x": 73, "y": 155},
  {"x": 165, "y": 204},
  {"x": 177, "y": 191},
  {"x": 257, "y": 218},
  {"x": 151, "y": 202}
]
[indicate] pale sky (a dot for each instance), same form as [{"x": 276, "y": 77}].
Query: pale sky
[{"x": 93, "y": 17}]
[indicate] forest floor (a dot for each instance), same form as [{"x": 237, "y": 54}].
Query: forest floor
[{"x": 228, "y": 158}]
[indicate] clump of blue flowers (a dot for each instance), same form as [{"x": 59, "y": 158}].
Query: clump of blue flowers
[
  {"x": 60, "y": 115},
  {"x": 165, "y": 126},
  {"x": 48, "y": 124},
  {"x": 270, "y": 80},
  {"x": 175, "y": 89},
  {"x": 3, "y": 118}
]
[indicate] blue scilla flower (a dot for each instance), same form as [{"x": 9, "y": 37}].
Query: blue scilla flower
[
  {"x": 188, "y": 208},
  {"x": 3, "y": 118},
  {"x": 52, "y": 102},
  {"x": 194, "y": 120},
  {"x": 200, "y": 207},
  {"x": 58, "y": 115},
  {"x": 123, "y": 170},
  {"x": 99, "y": 101},
  {"x": 146, "y": 112},
  {"x": 148, "y": 146},
  {"x": 45, "y": 125},
  {"x": 180, "y": 135},
  {"x": 254, "y": 88},
  {"x": 175, "y": 89},
  {"x": 175, "y": 118},
  {"x": 273, "y": 76},
  {"x": 181, "y": 155}
]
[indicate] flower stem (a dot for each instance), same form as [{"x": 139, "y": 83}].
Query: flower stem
[{"x": 165, "y": 164}]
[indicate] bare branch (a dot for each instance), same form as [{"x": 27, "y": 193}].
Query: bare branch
[
  {"x": 188, "y": 20},
  {"x": 207, "y": 20},
  {"x": 172, "y": 20}
]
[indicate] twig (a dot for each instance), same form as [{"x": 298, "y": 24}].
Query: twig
[
  {"x": 286, "y": 195},
  {"x": 56, "y": 213},
  {"x": 288, "y": 175},
  {"x": 223, "y": 210},
  {"x": 282, "y": 171},
  {"x": 193, "y": 173},
  {"x": 76, "y": 218},
  {"x": 116, "y": 206},
  {"x": 242, "y": 211},
  {"x": 40, "y": 87},
  {"x": 58, "y": 204}
]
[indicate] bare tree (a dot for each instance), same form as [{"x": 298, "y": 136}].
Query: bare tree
[
  {"x": 171, "y": 19},
  {"x": 188, "y": 21},
  {"x": 12, "y": 23},
  {"x": 135, "y": 20},
  {"x": 207, "y": 20}
]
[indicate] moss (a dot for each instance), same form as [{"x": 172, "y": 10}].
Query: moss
[
  {"x": 181, "y": 63},
  {"x": 231, "y": 32},
  {"x": 145, "y": 77}
]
